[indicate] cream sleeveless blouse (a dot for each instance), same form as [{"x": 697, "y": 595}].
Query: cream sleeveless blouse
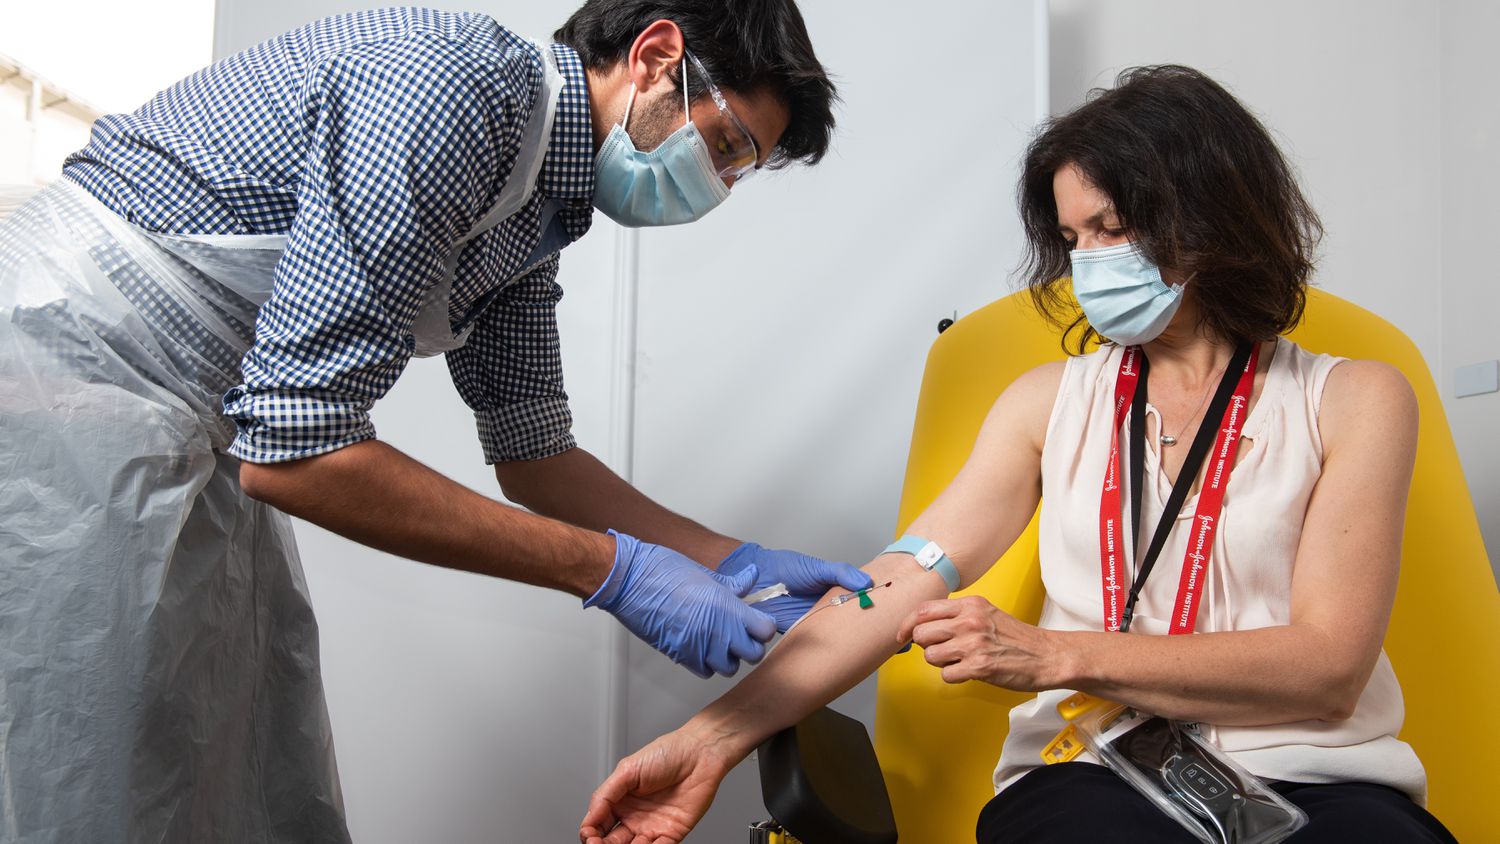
[{"x": 1249, "y": 580}]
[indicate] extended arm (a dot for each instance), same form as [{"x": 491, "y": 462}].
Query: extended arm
[
  {"x": 663, "y": 789},
  {"x": 975, "y": 520}
]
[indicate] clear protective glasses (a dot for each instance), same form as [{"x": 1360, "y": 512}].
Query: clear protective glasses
[{"x": 730, "y": 144}]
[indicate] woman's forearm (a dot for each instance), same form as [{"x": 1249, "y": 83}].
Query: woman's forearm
[
  {"x": 1272, "y": 675},
  {"x": 824, "y": 656},
  {"x": 1244, "y": 678},
  {"x": 976, "y": 518}
]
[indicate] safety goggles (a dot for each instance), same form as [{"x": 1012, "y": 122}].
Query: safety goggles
[{"x": 730, "y": 144}]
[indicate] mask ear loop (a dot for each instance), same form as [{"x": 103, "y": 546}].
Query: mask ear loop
[
  {"x": 687, "y": 112},
  {"x": 629, "y": 104}
]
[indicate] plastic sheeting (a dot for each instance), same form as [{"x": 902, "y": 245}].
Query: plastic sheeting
[{"x": 159, "y": 675}]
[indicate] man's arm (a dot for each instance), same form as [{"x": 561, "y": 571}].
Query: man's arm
[
  {"x": 374, "y": 494},
  {"x": 378, "y": 496},
  {"x": 575, "y": 487},
  {"x": 510, "y": 372}
]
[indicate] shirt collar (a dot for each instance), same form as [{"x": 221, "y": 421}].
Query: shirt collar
[{"x": 568, "y": 168}]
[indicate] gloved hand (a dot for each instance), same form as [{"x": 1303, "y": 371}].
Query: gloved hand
[
  {"x": 806, "y": 578},
  {"x": 691, "y": 614}
]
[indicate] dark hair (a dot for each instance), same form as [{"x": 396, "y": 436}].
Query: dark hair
[
  {"x": 746, "y": 46},
  {"x": 1197, "y": 183}
]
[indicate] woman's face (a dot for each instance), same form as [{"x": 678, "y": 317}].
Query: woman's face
[{"x": 1086, "y": 216}]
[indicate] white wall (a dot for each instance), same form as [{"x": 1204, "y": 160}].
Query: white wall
[
  {"x": 1471, "y": 282},
  {"x": 781, "y": 345},
  {"x": 89, "y": 69},
  {"x": 1347, "y": 87},
  {"x": 1386, "y": 109},
  {"x": 33, "y": 153},
  {"x": 113, "y": 55},
  {"x": 17, "y": 139}
]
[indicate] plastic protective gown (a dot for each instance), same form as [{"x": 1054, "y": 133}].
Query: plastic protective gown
[{"x": 159, "y": 675}]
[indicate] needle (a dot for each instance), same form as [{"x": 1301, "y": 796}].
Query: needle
[{"x": 861, "y": 594}]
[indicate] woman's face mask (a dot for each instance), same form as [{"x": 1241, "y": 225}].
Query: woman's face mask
[
  {"x": 674, "y": 183},
  {"x": 1123, "y": 294}
]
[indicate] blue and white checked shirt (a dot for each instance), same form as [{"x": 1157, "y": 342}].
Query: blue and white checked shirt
[{"x": 373, "y": 140}]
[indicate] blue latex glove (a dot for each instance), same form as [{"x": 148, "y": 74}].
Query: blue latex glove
[
  {"x": 806, "y": 578},
  {"x": 691, "y": 614}
]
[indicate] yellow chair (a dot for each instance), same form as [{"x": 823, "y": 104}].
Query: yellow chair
[{"x": 939, "y": 743}]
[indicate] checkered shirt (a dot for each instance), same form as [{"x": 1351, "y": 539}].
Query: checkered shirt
[{"x": 374, "y": 140}]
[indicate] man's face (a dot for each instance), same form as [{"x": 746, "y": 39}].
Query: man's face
[{"x": 658, "y": 117}]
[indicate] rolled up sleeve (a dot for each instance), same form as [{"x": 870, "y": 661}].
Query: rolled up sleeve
[
  {"x": 404, "y": 147},
  {"x": 510, "y": 372}
]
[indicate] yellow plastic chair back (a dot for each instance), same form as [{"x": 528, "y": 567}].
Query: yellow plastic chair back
[{"x": 938, "y": 744}]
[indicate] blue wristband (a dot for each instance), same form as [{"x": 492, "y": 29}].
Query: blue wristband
[{"x": 929, "y": 556}]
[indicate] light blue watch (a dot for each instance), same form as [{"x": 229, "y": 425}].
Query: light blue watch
[{"x": 929, "y": 556}]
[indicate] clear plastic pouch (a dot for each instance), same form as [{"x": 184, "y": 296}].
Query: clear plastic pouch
[{"x": 1188, "y": 778}]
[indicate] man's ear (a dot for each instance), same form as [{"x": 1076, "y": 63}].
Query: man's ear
[{"x": 653, "y": 56}]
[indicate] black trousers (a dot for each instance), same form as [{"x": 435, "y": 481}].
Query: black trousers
[{"x": 1086, "y": 803}]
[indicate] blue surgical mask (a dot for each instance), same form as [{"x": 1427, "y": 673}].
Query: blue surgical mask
[
  {"x": 672, "y": 184},
  {"x": 1123, "y": 294}
]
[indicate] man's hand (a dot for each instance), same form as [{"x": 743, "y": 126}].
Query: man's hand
[
  {"x": 691, "y": 614},
  {"x": 657, "y": 795},
  {"x": 972, "y": 639},
  {"x": 807, "y": 579}
]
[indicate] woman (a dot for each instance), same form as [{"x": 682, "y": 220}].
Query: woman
[{"x": 1190, "y": 247}]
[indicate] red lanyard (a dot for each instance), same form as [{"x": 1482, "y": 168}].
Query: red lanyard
[
  {"x": 1110, "y": 533},
  {"x": 1230, "y": 410}
]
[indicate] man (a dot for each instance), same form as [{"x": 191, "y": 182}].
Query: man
[{"x": 269, "y": 242}]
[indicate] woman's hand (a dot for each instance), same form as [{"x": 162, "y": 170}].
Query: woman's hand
[
  {"x": 656, "y": 795},
  {"x": 971, "y": 639}
]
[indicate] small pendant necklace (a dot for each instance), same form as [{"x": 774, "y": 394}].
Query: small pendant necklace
[{"x": 1169, "y": 440}]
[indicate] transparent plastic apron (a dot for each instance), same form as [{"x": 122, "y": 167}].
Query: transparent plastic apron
[{"x": 159, "y": 669}]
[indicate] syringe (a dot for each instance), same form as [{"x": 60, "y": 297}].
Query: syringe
[{"x": 775, "y": 590}]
